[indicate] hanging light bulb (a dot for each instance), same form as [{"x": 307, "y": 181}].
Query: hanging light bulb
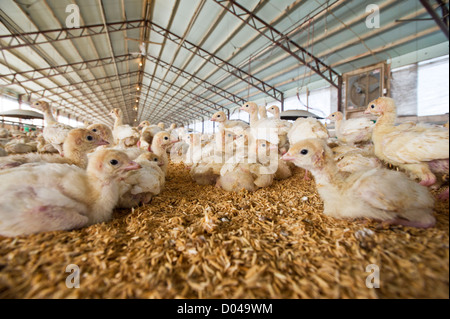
[{"x": 138, "y": 88}]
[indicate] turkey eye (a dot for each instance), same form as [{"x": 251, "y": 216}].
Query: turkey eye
[
  {"x": 333, "y": 115},
  {"x": 155, "y": 159},
  {"x": 218, "y": 115},
  {"x": 114, "y": 162},
  {"x": 372, "y": 106},
  {"x": 166, "y": 138},
  {"x": 304, "y": 152},
  {"x": 89, "y": 138},
  {"x": 263, "y": 145},
  {"x": 94, "y": 130}
]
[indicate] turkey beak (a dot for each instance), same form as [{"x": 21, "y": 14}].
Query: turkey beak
[
  {"x": 102, "y": 142},
  {"x": 367, "y": 111},
  {"x": 213, "y": 120},
  {"x": 288, "y": 157},
  {"x": 132, "y": 166}
]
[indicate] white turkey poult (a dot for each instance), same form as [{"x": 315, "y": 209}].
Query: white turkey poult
[
  {"x": 54, "y": 197},
  {"x": 139, "y": 186},
  {"x": 205, "y": 169},
  {"x": 357, "y": 160},
  {"x": 160, "y": 143},
  {"x": 283, "y": 145},
  {"x": 421, "y": 150},
  {"x": 43, "y": 146},
  {"x": 380, "y": 194},
  {"x": 234, "y": 126},
  {"x": 54, "y": 133},
  {"x": 148, "y": 132},
  {"x": 103, "y": 131},
  {"x": 78, "y": 143},
  {"x": 352, "y": 131},
  {"x": 124, "y": 135},
  {"x": 306, "y": 128},
  {"x": 275, "y": 111},
  {"x": 19, "y": 147},
  {"x": 250, "y": 173},
  {"x": 269, "y": 129}
]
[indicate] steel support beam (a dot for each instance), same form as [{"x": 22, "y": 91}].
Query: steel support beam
[
  {"x": 281, "y": 40},
  {"x": 88, "y": 83},
  {"x": 45, "y": 73},
  {"x": 129, "y": 90},
  {"x": 13, "y": 28},
  {"x": 215, "y": 60},
  {"x": 111, "y": 50},
  {"x": 205, "y": 84},
  {"x": 212, "y": 105},
  {"x": 441, "y": 22},
  {"x": 170, "y": 100},
  {"x": 17, "y": 40}
]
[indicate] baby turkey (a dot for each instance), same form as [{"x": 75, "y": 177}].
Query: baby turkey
[
  {"x": 160, "y": 143},
  {"x": 54, "y": 197},
  {"x": 78, "y": 143},
  {"x": 379, "y": 194},
  {"x": 352, "y": 131},
  {"x": 124, "y": 135},
  {"x": 103, "y": 131},
  {"x": 139, "y": 186},
  {"x": 233, "y": 126},
  {"x": 420, "y": 150},
  {"x": 54, "y": 133},
  {"x": 250, "y": 173}
]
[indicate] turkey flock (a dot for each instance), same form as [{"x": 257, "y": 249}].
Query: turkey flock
[{"x": 66, "y": 178}]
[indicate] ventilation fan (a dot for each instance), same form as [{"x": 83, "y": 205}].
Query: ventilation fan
[{"x": 364, "y": 86}]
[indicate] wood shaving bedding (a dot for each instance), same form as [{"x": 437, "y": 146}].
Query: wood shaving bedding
[{"x": 201, "y": 242}]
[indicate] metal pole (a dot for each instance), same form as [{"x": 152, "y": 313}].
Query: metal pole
[
  {"x": 436, "y": 17},
  {"x": 339, "y": 95}
]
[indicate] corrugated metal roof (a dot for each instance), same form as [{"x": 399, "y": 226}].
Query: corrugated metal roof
[{"x": 197, "y": 57}]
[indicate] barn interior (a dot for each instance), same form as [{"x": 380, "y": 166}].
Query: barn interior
[{"x": 179, "y": 62}]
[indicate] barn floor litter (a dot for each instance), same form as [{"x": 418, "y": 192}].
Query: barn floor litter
[{"x": 201, "y": 242}]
